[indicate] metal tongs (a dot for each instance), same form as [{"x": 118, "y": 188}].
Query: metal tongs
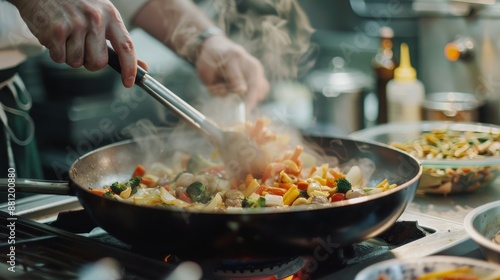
[{"x": 240, "y": 154}]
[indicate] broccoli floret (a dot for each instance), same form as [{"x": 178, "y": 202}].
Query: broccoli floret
[
  {"x": 117, "y": 187},
  {"x": 343, "y": 185},
  {"x": 134, "y": 182},
  {"x": 253, "y": 203},
  {"x": 108, "y": 194},
  {"x": 303, "y": 193},
  {"x": 197, "y": 193},
  {"x": 203, "y": 198},
  {"x": 195, "y": 189}
]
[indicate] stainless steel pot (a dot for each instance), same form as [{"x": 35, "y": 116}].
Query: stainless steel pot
[
  {"x": 339, "y": 94},
  {"x": 458, "y": 50}
]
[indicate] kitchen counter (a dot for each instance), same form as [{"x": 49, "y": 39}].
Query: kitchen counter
[
  {"x": 445, "y": 216},
  {"x": 455, "y": 207}
]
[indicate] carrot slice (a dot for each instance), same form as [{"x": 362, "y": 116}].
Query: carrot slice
[
  {"x": 275, "y": 191},
  {"x": 260, "y": 189},
  {"x": 330, "y": 182},
  {"x": 139, "y": 171},
  {"x": 296, "y": 153},
  {"x": 248, "y": 179},
  {"x": 185, "y": 197},
  {"x": 312, "y": 170},
  {"x": 336, "y": 174},
  {"x": 99, "y": 192},
  {"x": 285, "y": 186},
  {"x": 302, "y": 185},
  {"x": 148, "y": 181}
]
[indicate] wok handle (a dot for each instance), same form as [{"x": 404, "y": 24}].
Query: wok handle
[{"x": 35, "y": 186}]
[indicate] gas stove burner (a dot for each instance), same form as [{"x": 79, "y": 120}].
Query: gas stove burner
[{"x": 259, "y": 269}]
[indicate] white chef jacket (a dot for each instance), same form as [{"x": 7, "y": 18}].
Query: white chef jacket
[{"x": 17, "y": 43}]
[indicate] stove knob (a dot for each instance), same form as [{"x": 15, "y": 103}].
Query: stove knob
[{"x": 462, "y": 48}]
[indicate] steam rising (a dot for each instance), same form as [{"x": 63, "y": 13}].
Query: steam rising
[
  {"x": 277, "y": 32},
  {"x": 159, "y": 144}
]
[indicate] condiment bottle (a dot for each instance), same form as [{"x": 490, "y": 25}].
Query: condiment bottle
[
  {"x": 405, "y": 93},
  {"x": 383, "y": 65}
]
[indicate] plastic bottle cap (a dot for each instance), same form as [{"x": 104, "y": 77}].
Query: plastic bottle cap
[{"x": 405, "y": 72}]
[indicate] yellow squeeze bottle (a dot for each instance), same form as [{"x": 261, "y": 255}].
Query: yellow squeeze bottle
[{"x": 405, "y": 93}]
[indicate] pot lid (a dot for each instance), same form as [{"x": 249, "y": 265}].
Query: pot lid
[
  {"x": 452, "y": 101},
  {"x": 338, "y": 79}
]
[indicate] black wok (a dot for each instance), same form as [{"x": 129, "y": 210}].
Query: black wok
[{"x": 263, "y": 233}]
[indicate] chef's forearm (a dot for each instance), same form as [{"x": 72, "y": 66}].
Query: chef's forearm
[{"x": 176, "y": 23}]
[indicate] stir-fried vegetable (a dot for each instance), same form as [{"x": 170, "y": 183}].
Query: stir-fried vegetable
[
  {"x": 197, "y": 193},
  {"x": 450, "y": 144},
  {"x": 212, "y": 192},
  {"x": 253, "y": 203},
  {"x": 131, "y": 184},
  {"x": 203, "y": 184},
  {"x": 343, "y": 185},
  {"x": 453, "y": 145}
]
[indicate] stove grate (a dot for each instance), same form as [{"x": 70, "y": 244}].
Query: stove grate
[{"x": 45, "y": 252}]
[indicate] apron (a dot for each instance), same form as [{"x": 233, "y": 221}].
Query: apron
[{"x": 18, "y": 147}]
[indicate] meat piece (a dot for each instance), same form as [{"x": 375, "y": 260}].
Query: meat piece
[
  {"x": 179, "y": 191},
  {"x": 164, "y": 180},
  {"x": 319, "y": 200},
  {"x": 233, "y": 198},
  {"x": 354, "y": 192},
  {"x": 185, "y": 179}
]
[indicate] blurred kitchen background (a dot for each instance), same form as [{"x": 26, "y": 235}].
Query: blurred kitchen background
[{"x": 454, "y": 47}]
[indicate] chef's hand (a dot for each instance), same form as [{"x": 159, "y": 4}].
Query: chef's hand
[
  {"x": 225, "y": 67},
  {"x": 75, "y": 32}
]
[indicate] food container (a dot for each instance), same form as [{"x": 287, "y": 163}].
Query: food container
[
  {"x": 442, "y": 267},
  {"x": 452, "y": 106},
  {"x": 444, "y": 176},
  {"x": 482, "y": 224}
]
